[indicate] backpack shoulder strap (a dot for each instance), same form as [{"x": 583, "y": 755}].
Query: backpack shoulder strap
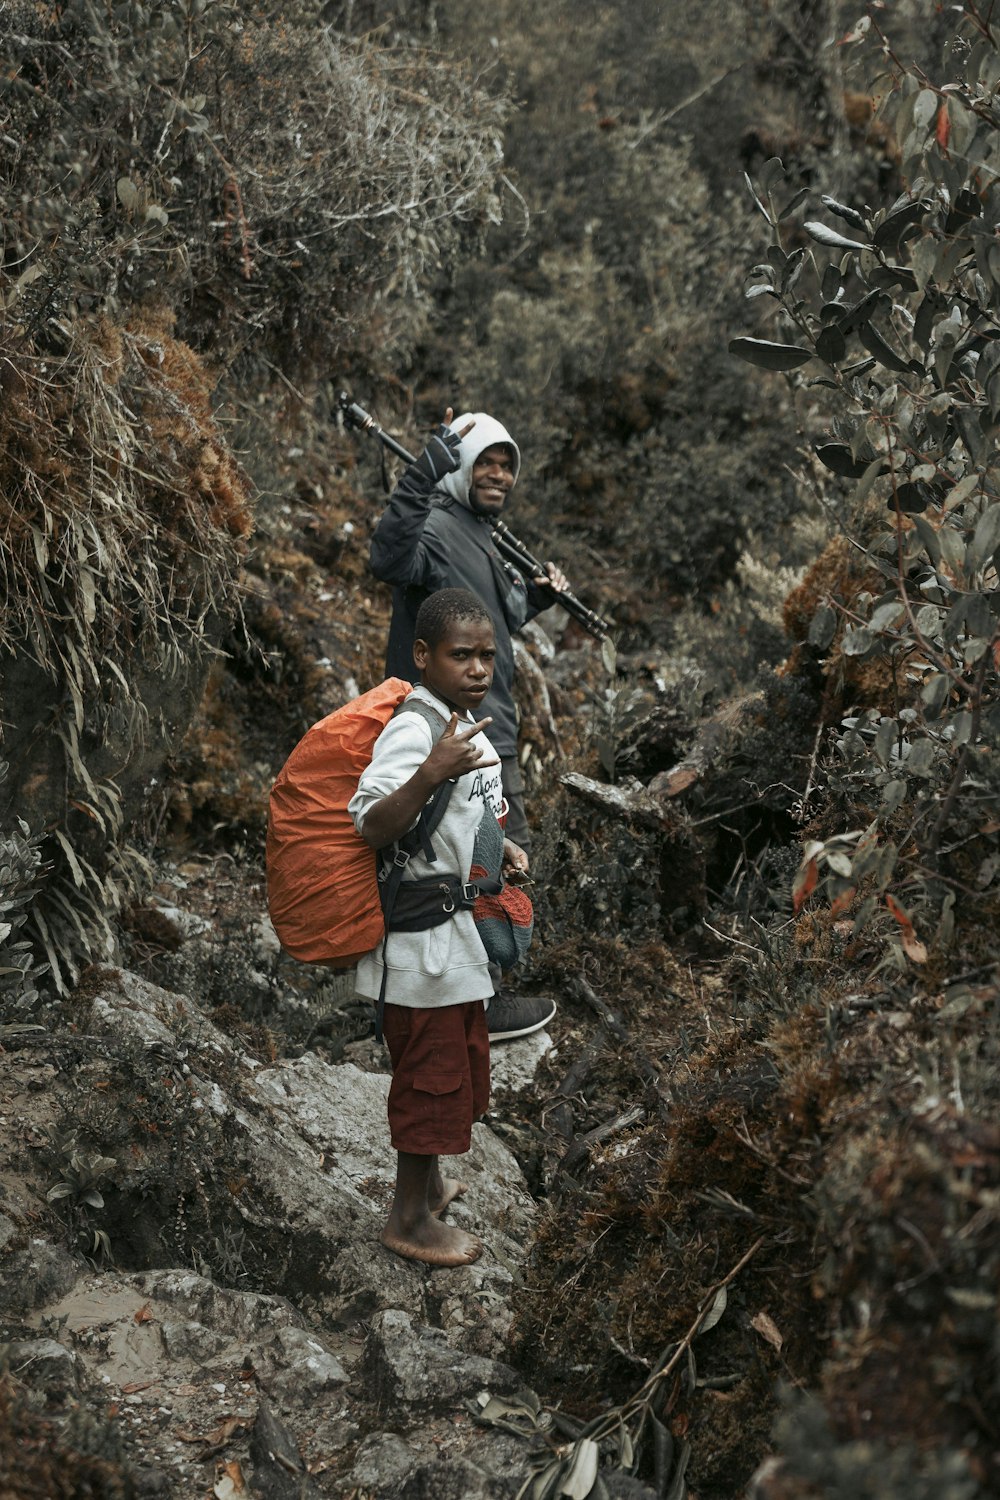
[
  {"x": 434, "y": 721},
  {"x": 419, "y": 837}
]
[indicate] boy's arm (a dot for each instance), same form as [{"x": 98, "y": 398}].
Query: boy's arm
[
  {"x": 515, "y": 861},
  {"x": 454, "y": 755}
]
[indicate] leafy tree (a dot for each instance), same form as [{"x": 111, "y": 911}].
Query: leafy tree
[{"x": 893, "y": 311}]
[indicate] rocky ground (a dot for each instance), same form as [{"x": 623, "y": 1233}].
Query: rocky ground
[{"x": 356, "y": 1373}]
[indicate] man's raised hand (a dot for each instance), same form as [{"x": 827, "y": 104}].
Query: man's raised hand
[
  {"x": 456, "y": 752},
  {"x": 440, "y": 457},
  {"x": 449, "y": 413}
]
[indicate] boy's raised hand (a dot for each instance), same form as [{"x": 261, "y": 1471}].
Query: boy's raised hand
[{"x": 456, "y": 753}]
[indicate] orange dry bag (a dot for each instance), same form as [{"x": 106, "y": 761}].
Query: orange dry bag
[{"x": 322, "y": 891}]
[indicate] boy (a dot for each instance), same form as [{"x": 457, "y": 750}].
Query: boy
[{"x": 438, "y": 981}]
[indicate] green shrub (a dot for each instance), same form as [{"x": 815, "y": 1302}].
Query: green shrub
[
  {"x": 891, "y": 311},
  {"x": 280, "y": 186}
]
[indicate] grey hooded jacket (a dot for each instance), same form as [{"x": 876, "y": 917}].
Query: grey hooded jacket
[{"x": 429, "y": 539}]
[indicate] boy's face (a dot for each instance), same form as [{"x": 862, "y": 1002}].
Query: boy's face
[{"x": 459, "y": 669}]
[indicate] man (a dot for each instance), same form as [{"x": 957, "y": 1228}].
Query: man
[{"x": 434, "y": 534}]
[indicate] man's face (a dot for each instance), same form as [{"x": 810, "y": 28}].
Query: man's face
[
  {"x": 459, "y": 669},
  {"x": 492, "y": 479}
]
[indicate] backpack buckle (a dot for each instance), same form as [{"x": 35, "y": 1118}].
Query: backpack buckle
[
  {"x": 470, "y": 892},
  {"x": 401, "y": 858}
]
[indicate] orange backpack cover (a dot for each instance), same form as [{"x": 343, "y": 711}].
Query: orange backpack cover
[{"x": 322, "y": 893}]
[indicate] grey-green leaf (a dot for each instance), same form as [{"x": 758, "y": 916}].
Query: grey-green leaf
[
  {"x": 857, "y": 640},
  {"x": 840, "y": 460},
  {"x": 824, "y": 235},
  {"x": 831, "y": 346},
  {"x": 578, "y": 1480},
  {"x": 678, "y": 1488},
  {"x": 756, "y": 201},
  {"x": 876, "y": 344},
  {"x": 768, "y": 355},
  {"x": 823, "y": 627},
  {"x": 714, "y": 1314},
  {"x": 985, "y": 540},
  {"x": 887, "y": 235},
  {"x": 849, "y": 215}
]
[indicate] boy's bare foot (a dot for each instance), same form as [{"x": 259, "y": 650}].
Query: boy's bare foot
[
  {"x": 432, "y": 1242},
  {"x": 446, "y": 1192}
]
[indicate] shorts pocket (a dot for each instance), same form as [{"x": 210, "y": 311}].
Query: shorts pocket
[{"x": 437, "y": 1082}]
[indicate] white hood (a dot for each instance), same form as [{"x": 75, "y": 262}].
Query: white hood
[{"x": 485, "y": 434}]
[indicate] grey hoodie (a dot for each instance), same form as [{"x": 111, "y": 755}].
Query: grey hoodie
[
  {"x": 486, "y": 433},
  {"x": 429, "y": 539}
]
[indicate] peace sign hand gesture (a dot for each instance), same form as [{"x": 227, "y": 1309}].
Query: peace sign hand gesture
[
  {"x": 440, "y": 457},
  {"x": 456, "y": 752}
]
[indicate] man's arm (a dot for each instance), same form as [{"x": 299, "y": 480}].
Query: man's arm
[
  {"x": 399, "y": 553},
  {"x": 542, "y": 589}
]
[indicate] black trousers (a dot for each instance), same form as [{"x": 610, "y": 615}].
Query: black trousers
[{"x": 513, "y": 790}]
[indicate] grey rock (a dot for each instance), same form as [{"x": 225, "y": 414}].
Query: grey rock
[
  {"x": 297, "y": 1216},
  {"x": 266, "y": 947},
  {"x": 191, "y": 1341},
  {"x": 305, "y": 1145},
  {"x": 340, "y": 1110},
  {"x": 367, "y": 1054},
  {"x": 240, "y": 1317},
  {"x": 514, "y": 1065},
  {"x": 382, "y": 1464},
  {"x": 312, "y": 1139},
  {"x": 497, "y": 1194},
  {"x": 44, "y": 1365},
  {"x": 279, "y": 1472},
  {"x": 477, "y": 1318},
  {"x": 416, "y": 1368},
  {"x": 292, "y": 1344},
  {"x": 364, "y": 1278},
  {"x": 130, "y": 1006},
  {"x": 304, "y": 1369},
  {"x": 40, "y": 1273},
  {"x": 151, "y": 1483},
  {"x": 456, "y": 1479},
  {"x": 187, "y": 923},
  {"x": 474, "y": 1303},
  {"x": 500, "y": 1452}
]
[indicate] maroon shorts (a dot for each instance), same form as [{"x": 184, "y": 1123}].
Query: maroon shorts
[{"x": 440, "y": 1076}]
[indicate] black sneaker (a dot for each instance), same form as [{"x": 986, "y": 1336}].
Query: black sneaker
[{"x": 510, "y": 1016}]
